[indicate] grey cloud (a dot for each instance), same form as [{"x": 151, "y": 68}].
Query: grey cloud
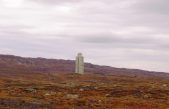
[
  {"x": 152, "y": 13},
  {"x": 121, "y": 42},
  {"x": 152, "y": 6},
  {"x": 55, "y": 2},
  {"x": 105, "y": 39}
]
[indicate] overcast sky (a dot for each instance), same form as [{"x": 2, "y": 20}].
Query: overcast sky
[{"x": 118, "y": 33}]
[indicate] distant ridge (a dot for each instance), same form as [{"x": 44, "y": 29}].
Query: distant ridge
[{"x": 16, "y": 64}]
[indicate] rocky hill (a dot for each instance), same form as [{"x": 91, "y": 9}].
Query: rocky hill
[{"x": 15, "y": 64}]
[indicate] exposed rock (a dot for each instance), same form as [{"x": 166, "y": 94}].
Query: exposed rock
[
  {"x": 71, "y": 84},
  {"x": 50, "y": 93},
  {"x": 32, "y": 90},
  {"x": 88, "y": 87},
  {"x": 47, "y": 94},
  {"x": 107, "y": 95},
  {"x": 99, "y": 101},
  {"x": 81, "y": 89},
  {"x": 95, "y": 87},
  {"x": 164, "y": 85},
  {"x": 147, "y": 96},
  {"x": 72, "y": 96}
]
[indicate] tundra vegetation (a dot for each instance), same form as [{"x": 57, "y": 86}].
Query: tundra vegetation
[{"x": 89, "y": 91}]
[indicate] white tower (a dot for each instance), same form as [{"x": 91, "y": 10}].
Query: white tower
[{"x": 79, "y": 64}]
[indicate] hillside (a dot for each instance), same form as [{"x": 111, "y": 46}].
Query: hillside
[{"x": 16, "y": 64}]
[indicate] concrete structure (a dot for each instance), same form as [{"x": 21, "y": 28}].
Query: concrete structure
[{"x": 79, "y": 64}]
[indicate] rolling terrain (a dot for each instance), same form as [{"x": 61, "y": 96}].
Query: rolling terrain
[
  {"x": 39, "y": 83},
  {"x": 15, "y": 64}
]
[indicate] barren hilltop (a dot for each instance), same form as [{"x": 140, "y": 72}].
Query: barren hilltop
[
  {"x": 16, "y": 64},
  {"x": 39, "y": 83}
]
